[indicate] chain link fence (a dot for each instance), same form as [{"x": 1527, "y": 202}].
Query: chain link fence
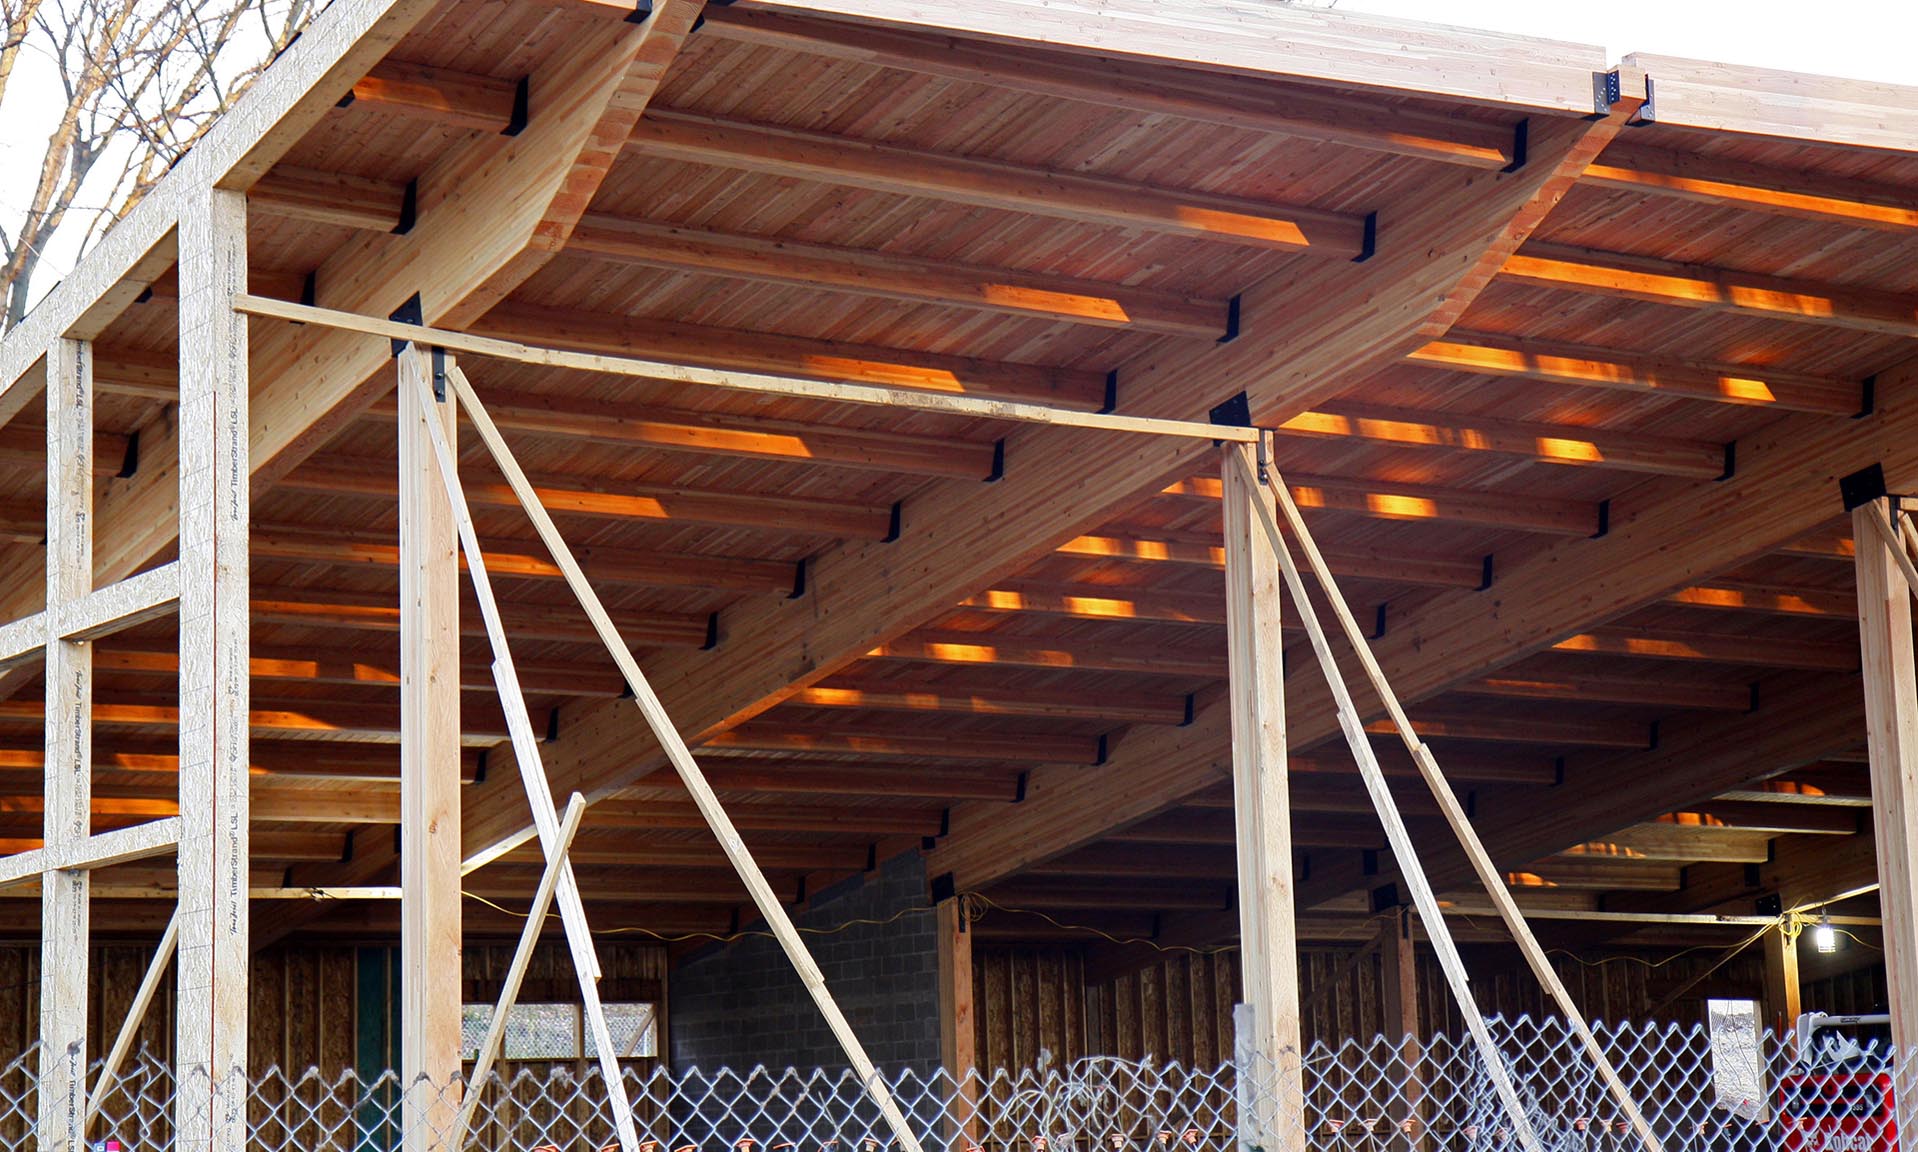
[{"x": 1702, "y": 1089}]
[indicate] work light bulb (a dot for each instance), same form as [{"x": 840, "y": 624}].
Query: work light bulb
[{"x": 1824, "y": 937}]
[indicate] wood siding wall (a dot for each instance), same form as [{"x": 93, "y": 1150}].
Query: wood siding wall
[
  {"x": 302, "y": 1011},
  {"x": 1034, "y": 1001},
  {"x": 305, "y": 1007}
]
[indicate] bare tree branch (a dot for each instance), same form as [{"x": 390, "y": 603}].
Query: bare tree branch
[{"x": 140, "y": 81}]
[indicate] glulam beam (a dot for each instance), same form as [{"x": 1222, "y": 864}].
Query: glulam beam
[
  {"x": 360, "y": 548},
  {"x": 1720, "y": 290},
  {"x": 890, "y": 276},
  {"x": 1153, "y": 547},
  {"x": 378, "y": 613},
  {"x": 711, "y": 347},
  {"x": 573, "y": 496},
  {"x": 1559, "y": 444},
  {"x": 984, "y": 183},
  {"x": 871, "y": 694},
  {"x": 771, "y": 736},
  {"x": 1715, "y": 180},
  {"x": 1426, "y": 503},
  {"x": 360, "y": 667},
  {"x": 1203, "y": 97},
  {"x": 1669, "y": 644},
  {"x": 663, "y": 428},
  {"x": 985, "y": 649},
  {"x": 1617, "y": 370}
]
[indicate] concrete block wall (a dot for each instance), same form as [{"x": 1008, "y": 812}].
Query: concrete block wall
[{"x": 741, "y": 1004}]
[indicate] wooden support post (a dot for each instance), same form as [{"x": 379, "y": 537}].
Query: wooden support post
[
  {"x": 1399, "y": 1013},
  {"x": 429, "y": 761},
  {"x": 1891, "y": 725},
  {"x": 1268, "y": 944},
  {"x": 69, "y": 749},
  {"x": 1455, "y": 815},
  {"x": 210, "y": 1102},
  {"x": 958, "y": 1040},
  {"x": 519, "y": 725},
  {"x": 1397, "y": 838},
  {"x": 1398, "y": 976},
  {"x": 1781, "y": 978}
]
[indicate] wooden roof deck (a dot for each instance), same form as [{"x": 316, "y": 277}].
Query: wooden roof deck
[{"x": 1517, "y": 504}]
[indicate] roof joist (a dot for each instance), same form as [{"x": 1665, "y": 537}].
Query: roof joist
[
  {"x": 1583, "y": 366},
  {"x": 282, "y": 720},
  {"x": 1637, "y": 167},
  {"x": 339, "y": 761},
  {"x": 1756, "y": 651},
  {"x": 1096, "y": 602},
  {"x": 364, "y": 548},
  {"x": 574, "y": 496},
  {"x": 1534, "y": 728},
  {"x": 728, "y": 434},
  {"x": 769, "y": 736},
  {"x": 1388, "y": 500},
  {"x": 1584, "y": 688},
  {"x": 1719, "y": 290},
  {"x": 894, "y": 277},
  {"x": 1776, "y": 819},
  {"x": 363, "y": 667},
  {"x": 1543, "y": 443},
  {"x": 986, "y": 183},
  {"x": 624, "y": 845},
  {"x": 877, "y": 695},
  {"x": 793, "y": 356},
  {"x": 984, "y": 649},
  {"x": 1157, "y": 546},
  {"x": 565, "y": 624},
  {"x": 378, "y": 206}
]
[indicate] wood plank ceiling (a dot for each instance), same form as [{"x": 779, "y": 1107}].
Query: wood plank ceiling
[{"x": 815, "y": 198}]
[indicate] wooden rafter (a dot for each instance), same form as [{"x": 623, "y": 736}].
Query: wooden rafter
[
  {"x": 578, "y": 496},
  {"x": 1544, "y": 443},
  {"x": 360, "y": 548},
  {"x": 792, "y": 355},
  {"x": 986, "y": 183},
  {"x": 1715, "y": 289},
  {"x": 1584, "y": 366},
  {"x": 1151, "y": 547},
  {"x": 1755, "y": 187},
  {"x": 1391, "y": 500}
]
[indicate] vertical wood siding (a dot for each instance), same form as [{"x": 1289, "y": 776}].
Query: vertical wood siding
[{"x": 1034, "y": 1001}]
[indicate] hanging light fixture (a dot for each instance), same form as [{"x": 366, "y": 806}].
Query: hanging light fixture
[{"x": 1823, "y": 936}]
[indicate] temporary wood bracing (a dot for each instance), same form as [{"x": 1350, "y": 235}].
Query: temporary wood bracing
[{"x": 1568, "y": 432}]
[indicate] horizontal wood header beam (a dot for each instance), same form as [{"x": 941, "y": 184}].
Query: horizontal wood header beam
[
  {"x": 739, "y": 381},
  {"x": 1249, "y": 38},
  {"x": 1189, "y": 94},
  {"x": 1770, "y": 102}
]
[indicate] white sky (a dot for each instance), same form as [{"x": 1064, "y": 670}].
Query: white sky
[{"x": 1862, "y": 39}]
